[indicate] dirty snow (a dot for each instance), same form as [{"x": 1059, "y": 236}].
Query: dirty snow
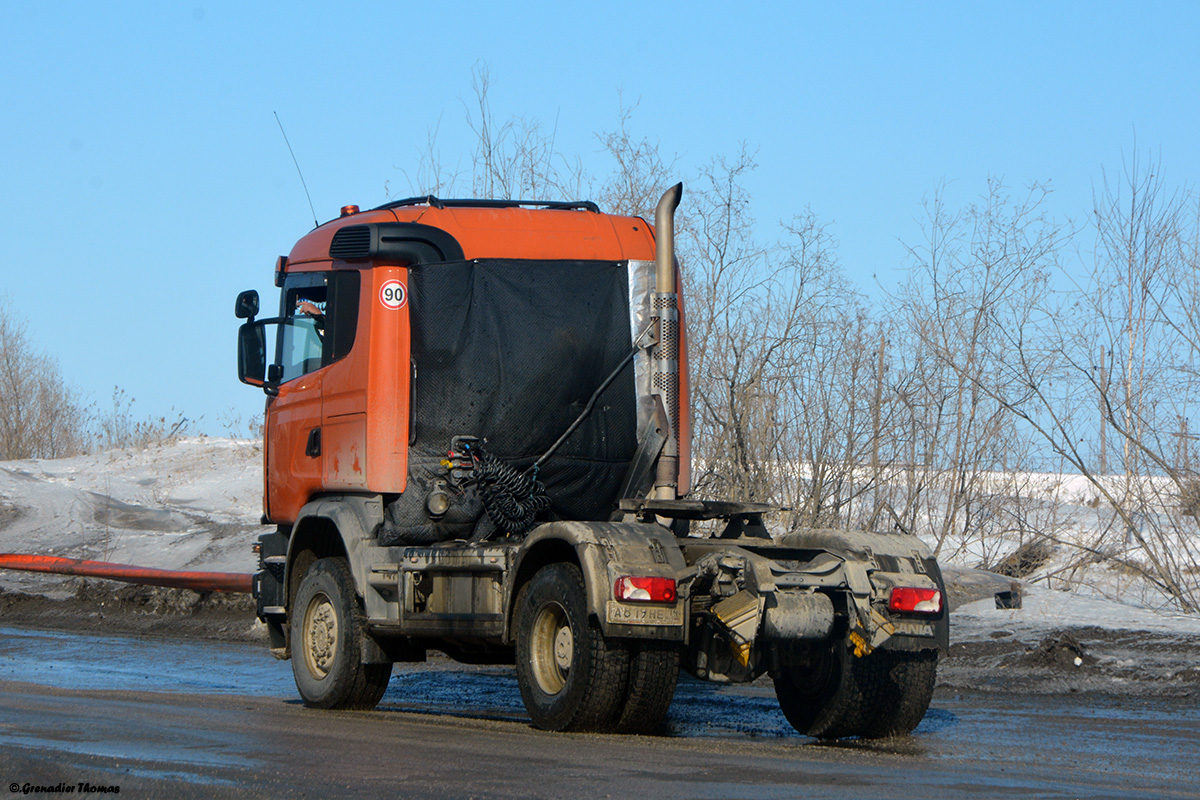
[
  {"x": 1044, "y": 610},
  {"x": 193, "y": 504}
]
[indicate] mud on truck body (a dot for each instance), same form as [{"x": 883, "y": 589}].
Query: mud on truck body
[{"x": 477, "y": 440}]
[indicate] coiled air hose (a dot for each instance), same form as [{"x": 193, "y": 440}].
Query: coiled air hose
[{"x": 513, "y": 499}]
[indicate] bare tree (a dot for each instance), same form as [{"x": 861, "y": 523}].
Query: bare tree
[
  {"x": 516, "y": 158},
  {"x": 827, "y": 358},
  {"x": 974, "y": 280},
  {"x": 40, "y": 416},
  {"x": 1138, "y": 231},
  {"x": 721, "y": 285},
  {"x": 783, "y": 359},
  {"x": 1021, "y": 348},
  {"x": 431, "y": 175},
  {"x": 1142, "y": 295},
  {"x": 639, "y": 173}
]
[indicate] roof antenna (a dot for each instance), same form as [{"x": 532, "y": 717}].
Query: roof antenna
[{"x": 298, "y": 172}]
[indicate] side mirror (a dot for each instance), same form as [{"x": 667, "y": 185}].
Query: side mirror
[
  {"x": 252, "y": 350},
  {"x": 247, "y": 305}
]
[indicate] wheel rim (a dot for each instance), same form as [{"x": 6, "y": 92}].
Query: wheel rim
[
  {"x": 553, "y": 648},
  {"x": 320, "y": 635}
]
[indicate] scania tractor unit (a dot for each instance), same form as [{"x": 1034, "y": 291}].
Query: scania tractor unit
[{"x": 478, "y": 441}]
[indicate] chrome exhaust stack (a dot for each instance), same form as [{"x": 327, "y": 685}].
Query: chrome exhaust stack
[{"x": 664, "y": 312}]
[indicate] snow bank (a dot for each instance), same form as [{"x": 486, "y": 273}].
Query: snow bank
[
  {"x": 192, "y": 504},
  {"x": 1044, "y": 610}
]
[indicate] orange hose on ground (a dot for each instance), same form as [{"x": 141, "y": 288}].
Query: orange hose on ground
[{"x": 146, "y": 576}]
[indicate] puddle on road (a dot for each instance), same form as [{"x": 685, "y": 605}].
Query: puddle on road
[
  {"x": 483, "y": 693},
  {"x": 699, "y": 710},
  {"x": 1076, "y": 728},
  {"x": 72, "y": 661}
]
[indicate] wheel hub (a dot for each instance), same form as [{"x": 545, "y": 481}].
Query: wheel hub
[
  {"x": 320, "y": 636},
  {"x": 564, "y": 648},
  {"x": 552, "y": 648}
]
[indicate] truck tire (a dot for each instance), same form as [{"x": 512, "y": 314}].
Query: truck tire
[
  {"x": 905, "y": 698},
  {"x": 327, "y": 629},
  {"x": 653, "y": 672},
  {"x": 835, "y": 697},
  {"x": 571, "y": 678}
]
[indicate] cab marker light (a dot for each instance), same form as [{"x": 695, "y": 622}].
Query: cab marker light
[
  {"x": 915, "y": 600},
  {"x": 645, "y": 589}
]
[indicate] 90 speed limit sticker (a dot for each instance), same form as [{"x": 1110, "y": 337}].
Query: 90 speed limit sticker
[{"x": 392, "y": 294}]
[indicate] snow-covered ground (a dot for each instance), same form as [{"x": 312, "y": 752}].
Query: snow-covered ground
[
  {"x": 195, "y": 504},
  {"x": 1126, "y": 539},
  {"x": 1044, "y": 610}
]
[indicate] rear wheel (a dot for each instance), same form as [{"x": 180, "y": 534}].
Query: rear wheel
[
  {"x": 834, "y": 696},
  {"x": 840, "y": 695},
  {"x": 571, "y": 677},
  {"x": 326, "y": 636},
  {"x": 653, "y": 671},
  {"x": 906, "y": 695}
]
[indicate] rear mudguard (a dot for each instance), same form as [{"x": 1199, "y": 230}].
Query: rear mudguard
[
  {"x": 885, "y": 560},
  {"x": 605, "y": 552},
  {"x": 754, "y": 599}
]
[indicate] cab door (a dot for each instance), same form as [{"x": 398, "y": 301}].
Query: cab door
[{"x": 293, "y": 422}]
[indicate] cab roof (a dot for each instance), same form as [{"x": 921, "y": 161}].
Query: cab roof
[{"x": 501, "y": 229}]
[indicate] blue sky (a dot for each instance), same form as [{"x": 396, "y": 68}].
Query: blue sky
[{"x": 144, "y": 180}]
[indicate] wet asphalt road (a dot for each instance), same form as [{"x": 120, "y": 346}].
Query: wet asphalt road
[{"x": 174, "y": 718}]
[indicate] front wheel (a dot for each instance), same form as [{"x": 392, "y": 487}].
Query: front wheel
[
  {"x": 327, "y": 630},
  {"x": 571, "y": 677}
]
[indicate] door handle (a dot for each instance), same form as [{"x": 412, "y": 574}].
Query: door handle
[{"x": 313, "y": 448}]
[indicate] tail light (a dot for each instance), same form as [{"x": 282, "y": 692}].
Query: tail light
[
  {"x": 914, "y": 600},
  {"x": 645, "y": 590}
]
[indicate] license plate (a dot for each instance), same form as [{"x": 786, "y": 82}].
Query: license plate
[{"x": 637, "y": 614}]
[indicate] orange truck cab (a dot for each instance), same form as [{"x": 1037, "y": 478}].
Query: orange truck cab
[
  {"x": 520, "y": 308},
  {"x": 477, "y": 440}
]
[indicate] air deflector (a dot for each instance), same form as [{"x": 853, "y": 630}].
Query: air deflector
[{"x": 402, "y": 242}]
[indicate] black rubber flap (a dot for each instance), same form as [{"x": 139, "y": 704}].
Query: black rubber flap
[{"x": 511, "y": 351}]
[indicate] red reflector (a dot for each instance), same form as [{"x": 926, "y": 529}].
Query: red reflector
[
  {"x": 914, "y": 600},
  {"x": 647, "y": 590}
]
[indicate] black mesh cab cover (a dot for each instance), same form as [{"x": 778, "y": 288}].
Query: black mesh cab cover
[{"x": 511, "y": 351}]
